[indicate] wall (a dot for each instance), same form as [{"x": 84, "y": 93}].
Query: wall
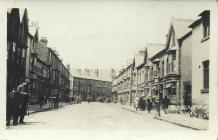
[
  {"x": 185, "y": 62},
  {"x": 200, "y": 53}
]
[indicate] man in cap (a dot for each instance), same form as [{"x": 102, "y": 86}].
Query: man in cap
[{"x": 24, "y": 91}]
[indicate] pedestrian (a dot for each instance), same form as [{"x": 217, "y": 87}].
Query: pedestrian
[
  {"x": 56, "y": 100},
  {"x": 12, "y": 105},
  {"x": 165, "y": 104},
  {"x": 136, "y": 103},
  {"x": 24, "y": 92},
  {"x": 149, "y": 104},
  {"x": 157, "y": 106}
]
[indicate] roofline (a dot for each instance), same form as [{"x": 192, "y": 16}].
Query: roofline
[
  {"x": 124, "y": 70},
  {"x": 140, "y": 66},
  {"x": 157, "y": 54},
  {"x": 195, "y": 23},
  {"x": 92, "y": 79},
  {"x": 204, "y": 12},
  {"x": 185, "y": 36},
  {"x": 57, "y": 57}
]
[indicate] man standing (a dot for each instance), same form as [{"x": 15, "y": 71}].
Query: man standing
[
  {"x": 166, "y": 103},
  {"x": 24, "y": 92}
]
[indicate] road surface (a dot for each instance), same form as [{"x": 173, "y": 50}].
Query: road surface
[{"x": 93, "y": 116}]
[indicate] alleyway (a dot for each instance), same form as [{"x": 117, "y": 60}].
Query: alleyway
[{"x": 94, "y": 116}]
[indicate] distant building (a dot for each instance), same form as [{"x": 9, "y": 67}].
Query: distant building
[
  {"x": 90, "y": 86},
  {"x": 59, "y": 76}
]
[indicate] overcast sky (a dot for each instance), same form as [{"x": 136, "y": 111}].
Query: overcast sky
[{"x": 106, "y": 34}]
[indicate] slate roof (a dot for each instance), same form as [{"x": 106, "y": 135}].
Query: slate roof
[{"x": 42, "y": 51}]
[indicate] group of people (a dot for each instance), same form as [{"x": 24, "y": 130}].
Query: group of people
[
  {"x": 17, "y": 101},
  {"x": 152, "y": 103}
]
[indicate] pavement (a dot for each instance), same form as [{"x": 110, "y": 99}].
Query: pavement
[
  {"x": 47, "y": 106},
  {"x": 183, "y": 120}
]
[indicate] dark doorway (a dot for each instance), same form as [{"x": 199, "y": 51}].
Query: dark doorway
[{"x": 187, "y": 94}]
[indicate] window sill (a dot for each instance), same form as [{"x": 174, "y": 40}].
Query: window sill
[
  {"x": 205, "y": 90},
  {"x": 205, "y": 38}
]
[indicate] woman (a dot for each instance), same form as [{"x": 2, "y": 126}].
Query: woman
[{"x": 136, "y": 103}]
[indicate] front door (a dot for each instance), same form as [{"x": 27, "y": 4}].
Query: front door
[{"x": 187, "y": 95}]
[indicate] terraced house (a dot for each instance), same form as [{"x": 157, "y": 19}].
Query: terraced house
[{"x": 176, "y": 69}]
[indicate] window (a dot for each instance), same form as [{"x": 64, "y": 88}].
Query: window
[
  {"x": 162, "y": 68},
  {"x": 168, "y": 66},
  {"x": 206, "y": 74},
  {"x": 206, "y": 25}
]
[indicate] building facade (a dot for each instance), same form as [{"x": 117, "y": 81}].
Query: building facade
[
  {"x": 186, "y": 68},
  {"x": 176, "y": 70},
  {"x": 17, "y": 34},
  {"x": 59, "y": 76},
  {"x": 93, "y": 89},
  {"x": 200, "y": 59}
]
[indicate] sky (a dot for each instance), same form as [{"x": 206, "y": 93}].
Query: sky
[{"x": 105, "y": 34}]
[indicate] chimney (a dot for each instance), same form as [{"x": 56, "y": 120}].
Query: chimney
[{"x": 44, "y": 40}]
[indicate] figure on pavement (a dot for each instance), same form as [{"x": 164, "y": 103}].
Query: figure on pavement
[
  {"x": 24, "y": 92},
  {"x": 157, "y": 106},
  {"x": 12, "y": 107},
  {"x": 136, "y": 103},
  {"x": 165, "y": 104},
  {"x": 149, "y": 104}
]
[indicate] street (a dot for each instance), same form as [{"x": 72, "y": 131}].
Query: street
[{"x": 93, "y": 116}]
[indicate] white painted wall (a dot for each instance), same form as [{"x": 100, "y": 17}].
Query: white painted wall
[{"x": 200, "y": 53}]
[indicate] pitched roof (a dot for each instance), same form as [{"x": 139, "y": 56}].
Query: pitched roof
[
  {"x": 9, "y": 10},
  {"x": 153, "y": 49},
  {"x": 42, "y": 51},
  {"x": 139, "y": 58},
  {"x": 21, "y": 13},
  {"x": 180, "y": 26},
  {"x": 32, "y": 29}
]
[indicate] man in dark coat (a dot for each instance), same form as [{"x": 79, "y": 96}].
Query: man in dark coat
[
  {"x": 165, "y": 103},
  {"x": 149, "y": 104},
  {"x": 12, "y": 107},
  {"x": 24, "y": 92},
  {"x": 157, "y": 106}
]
